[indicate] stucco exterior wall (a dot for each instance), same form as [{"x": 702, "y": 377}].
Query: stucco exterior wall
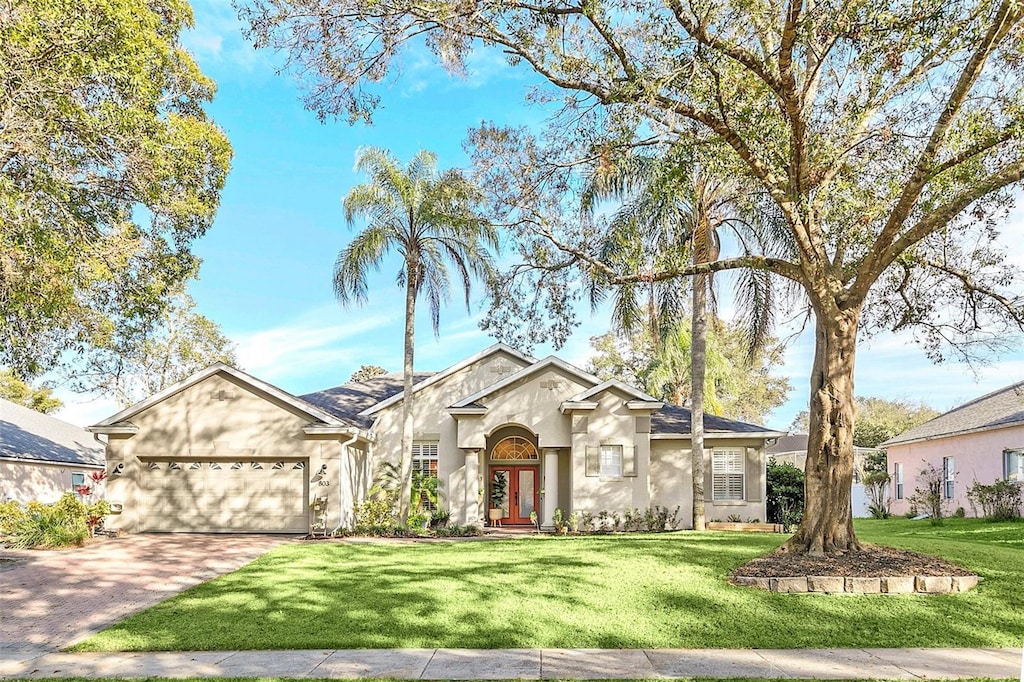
[
  {"x": 431, "y": 422},
  {"x": 27, "y": 481},
  {"x": 976, "y": 457},
  {"x": 671, "y": 480},
  {"x": 611, "y": 423},
  {"x": 218, "y": 419}
]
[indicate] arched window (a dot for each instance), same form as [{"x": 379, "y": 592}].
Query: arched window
[{"x": 514, "y": 448}]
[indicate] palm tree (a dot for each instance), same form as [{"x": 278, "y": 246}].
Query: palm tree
[
  {"x": 670, "y": 214},
  {"x": 429, "y": 218}
]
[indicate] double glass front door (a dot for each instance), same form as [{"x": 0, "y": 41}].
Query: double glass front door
[{"x": 521, "y": 492}]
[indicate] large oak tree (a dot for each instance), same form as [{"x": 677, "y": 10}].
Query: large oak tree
[
  {"x": 884, "y": 137},
  {"x": 109, "y": 170}
]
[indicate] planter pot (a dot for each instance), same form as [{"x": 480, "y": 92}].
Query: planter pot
[{"x": 495, "y": 515}]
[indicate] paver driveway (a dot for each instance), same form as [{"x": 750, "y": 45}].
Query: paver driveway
[{"x": 51, "y": 599}]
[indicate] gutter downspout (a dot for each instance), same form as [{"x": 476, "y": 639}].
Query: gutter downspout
[{"x": 353, "y": 437}]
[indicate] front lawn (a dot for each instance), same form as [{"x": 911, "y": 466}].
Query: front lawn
[{"x": 628, "y": 591}]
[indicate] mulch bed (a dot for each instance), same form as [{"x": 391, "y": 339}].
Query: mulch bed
[{"x": 871, "y": 562}]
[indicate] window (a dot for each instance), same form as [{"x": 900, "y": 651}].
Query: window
[
  {"x": 727, "y": 474},
  {"x": 77, "y": 481},
  {"x": 514, "y": 448},
  {"x": 897, "y": 476},
  {"x": 424, "y": 472},
  {"x": 948, "y": 476},
  {"x": 611, "y": 461},
  {"x": 1013, "y": 465}
]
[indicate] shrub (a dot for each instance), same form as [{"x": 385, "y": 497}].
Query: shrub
[
  {"x": 377, "y": 511},
  {"x": 1000, "y": 501},
  {"x": 440, "y": 518},
  {"x": 929, "y": 492},
  {"x": 10, "y": 514},
  {"x": 61, "y": 524},
  {"x": 785, "y": 492}
]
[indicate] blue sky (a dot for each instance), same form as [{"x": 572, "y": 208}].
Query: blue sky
[{"x": 268, "y": 259}]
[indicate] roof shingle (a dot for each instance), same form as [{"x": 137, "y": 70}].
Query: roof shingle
[{"x": 998, "y": 409}]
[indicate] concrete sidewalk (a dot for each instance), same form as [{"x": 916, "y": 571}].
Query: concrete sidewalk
[{"x": 531, "y": 664}]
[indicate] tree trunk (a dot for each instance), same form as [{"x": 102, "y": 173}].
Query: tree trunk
[
  {"x": 405, "y": 492},
  {"x": 698, "y": 360},
  {"x": 827, "y": 526}
]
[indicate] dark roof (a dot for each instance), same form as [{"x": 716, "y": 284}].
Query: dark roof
[
  {"x": 348, "y": 400},
  {"x": 793, "y": 442},
  {"x": 36, "y": 437},
  {"x": 673, "y": 419},
  {"x": 998, "y": 409}
]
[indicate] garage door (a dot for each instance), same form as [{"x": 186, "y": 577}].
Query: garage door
[{"x": 265, "y": 496}]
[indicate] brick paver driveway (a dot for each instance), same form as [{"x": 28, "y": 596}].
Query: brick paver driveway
[{"x": 51, "y": 599}]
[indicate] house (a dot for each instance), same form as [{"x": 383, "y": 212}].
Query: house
[
  {"x": 42, "y": 457},
  {"x": 792, "y": 449},
  {"x": 982, "y": 440},
  {"x": 225, "y": 451}
]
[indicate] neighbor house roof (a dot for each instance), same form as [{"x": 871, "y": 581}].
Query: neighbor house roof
[
  {"x": 672, "y": 421},
  {"x": 30, "y": 436},
  {"x": 996, "y": 410}
]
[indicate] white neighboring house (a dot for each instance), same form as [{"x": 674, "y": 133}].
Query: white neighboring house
[
  {"x": 792, "y": 449},
  {"x": 42, "y": 457}
]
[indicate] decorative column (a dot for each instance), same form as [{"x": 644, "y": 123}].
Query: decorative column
[
  {"x": 471, "y": 501},
  {"x": 550, "y": 502}
]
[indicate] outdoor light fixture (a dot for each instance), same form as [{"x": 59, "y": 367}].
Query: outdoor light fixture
[{"x": 323, "y": 470}]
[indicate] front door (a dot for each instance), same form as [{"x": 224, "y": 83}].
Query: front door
[{"x": 521, "y": 492}]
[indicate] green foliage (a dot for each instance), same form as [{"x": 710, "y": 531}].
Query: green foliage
[
  {"x": 376, "y": 512},
  {"x": 878, "y": 419},
  {"x": 137, "y": 362},
  {"x": 110, "y": 170},
  {"x": 367, "y": 372},
  {"x": 65, "y": 523},
  {"x": 736, "y": 386},
  {"x": 785, "y": 491},
  {"x": 18, "y": 391},
  {"x": 999, "y": 501},
  {"x": 603, "y": 591}
]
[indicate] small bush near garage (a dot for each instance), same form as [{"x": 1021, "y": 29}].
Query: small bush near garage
[
  {"x": 68, "y": 522},
  {"x": 1000, "y": 501}
]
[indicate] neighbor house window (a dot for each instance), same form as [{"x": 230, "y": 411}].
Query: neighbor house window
[
  {"x": 611, "y": 461},
  {"x": 948, "y": 476},
  {"x": 1013, "y": 465},
  {"x": 424, "y": 467},
  {"x": 727, "y": 474},
  {"x": 77, "y": 481},
  {"x": 897, "y": 475}
]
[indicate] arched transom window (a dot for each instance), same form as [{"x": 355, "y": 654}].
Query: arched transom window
[{"x": 513, "y": 448}]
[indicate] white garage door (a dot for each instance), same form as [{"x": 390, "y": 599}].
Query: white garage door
[{"x": 185, "y": 495}]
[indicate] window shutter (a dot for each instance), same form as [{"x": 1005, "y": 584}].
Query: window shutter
[
  {"x": 593, "y": 460},
  {"x": 629, "y": 460}
]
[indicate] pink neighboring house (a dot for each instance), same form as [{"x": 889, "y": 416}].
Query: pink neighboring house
[{"x": 982, "y": 440}]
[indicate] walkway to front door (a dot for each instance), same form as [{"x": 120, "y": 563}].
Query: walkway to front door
[{"x": 521, "y": 493}]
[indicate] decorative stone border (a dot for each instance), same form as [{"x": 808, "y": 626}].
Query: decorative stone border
[{"x": 828, "y": 584}]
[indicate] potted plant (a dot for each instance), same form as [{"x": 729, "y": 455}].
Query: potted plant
[{"x": 499, "y": 488}]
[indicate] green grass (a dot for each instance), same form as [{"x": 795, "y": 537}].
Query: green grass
[
  {"x": 625, "y": 591},
  {"x": 377, "y": 679}
]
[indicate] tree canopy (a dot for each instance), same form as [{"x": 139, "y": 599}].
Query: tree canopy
[
  {"x": 736, "y": 385},
  {"x": 109, "y": 170},
  {"x": 882, "y": 142},
  {"x": 21, "y": 392},
  {"x": 136, "y": 362}
]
